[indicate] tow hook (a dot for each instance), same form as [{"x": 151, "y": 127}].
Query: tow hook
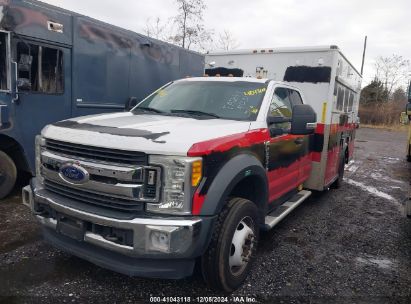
[{"x": 27, "y": 196}]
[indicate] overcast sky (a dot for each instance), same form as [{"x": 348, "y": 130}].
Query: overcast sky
[{"x": 269, "y": 23}]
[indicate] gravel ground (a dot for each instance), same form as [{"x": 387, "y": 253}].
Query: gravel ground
[{"x": 347, "y": 245}]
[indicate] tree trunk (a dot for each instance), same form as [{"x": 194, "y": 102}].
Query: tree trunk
[{"x": 184, "y": 27}]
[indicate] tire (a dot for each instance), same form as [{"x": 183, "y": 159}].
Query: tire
[
  {"x": 338, "y": 182},
  {"x": 408, "y": 208},
  {"x": 8, "y": 174},
  {"x": 236, "y": 224}
]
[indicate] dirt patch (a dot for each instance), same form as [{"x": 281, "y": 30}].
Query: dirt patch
[
  {"x": 17, "y": 226},
  {"x": 352, "y": 244}
]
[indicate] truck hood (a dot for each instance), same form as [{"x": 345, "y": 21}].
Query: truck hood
[{"x": 152, "y": 134}]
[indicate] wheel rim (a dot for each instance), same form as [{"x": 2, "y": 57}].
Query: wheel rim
[{"x": 242, "y": 246}]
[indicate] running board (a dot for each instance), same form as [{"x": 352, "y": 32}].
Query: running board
[{"x": 283, "y": 210}]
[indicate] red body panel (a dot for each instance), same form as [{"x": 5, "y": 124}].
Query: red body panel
[
  {"x": 283, "y": 180},
  {"x": 222, "y": 144},
  {"x": 280, "y": 180},
  {"x": 331, "y": 170},
  {"x": 334, "y": 153},
  {"x": 198, "y": 201}
]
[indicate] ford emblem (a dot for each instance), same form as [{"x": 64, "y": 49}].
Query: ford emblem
[{"x": 74, "y": 174}]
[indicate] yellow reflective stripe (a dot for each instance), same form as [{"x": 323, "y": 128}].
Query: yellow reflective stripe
[{"x": 324, "y": 114}]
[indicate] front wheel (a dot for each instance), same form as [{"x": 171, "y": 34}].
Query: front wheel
[
  {"x": 8, "y": 174},
  {"x": 228, "y": 259}
]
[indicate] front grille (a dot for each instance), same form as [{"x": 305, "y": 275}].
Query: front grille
[
  {"x": 95, "y": 199},
  {"x": 150, "y": 191},
  {"x": 96, "y": 153}
]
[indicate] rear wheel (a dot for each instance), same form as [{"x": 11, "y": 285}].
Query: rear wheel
[
  {"x": 228, "y": 259},
  {"x": 338, "y": 182},
  {"x": 8, "y": 174}
]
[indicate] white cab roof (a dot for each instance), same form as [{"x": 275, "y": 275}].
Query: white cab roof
[{"x": 226, "y": 79}]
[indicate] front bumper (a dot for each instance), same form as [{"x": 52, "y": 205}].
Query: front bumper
[{"x": 186, "y": 238}]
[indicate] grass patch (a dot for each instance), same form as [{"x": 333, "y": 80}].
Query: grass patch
[{"x": 394, "y": 127}]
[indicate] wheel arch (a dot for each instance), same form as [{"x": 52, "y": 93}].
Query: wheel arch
[
  {"x": 242, "y": 176},
  {"x": 346, "y": 154}
]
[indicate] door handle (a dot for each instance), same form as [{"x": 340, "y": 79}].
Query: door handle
[{"x": 299, "y": 140}]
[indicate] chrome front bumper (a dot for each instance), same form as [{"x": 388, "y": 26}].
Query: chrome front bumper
[{"x": 187, "y": 237}]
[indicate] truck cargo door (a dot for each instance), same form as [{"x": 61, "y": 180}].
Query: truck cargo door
[
  {"x": 44, "y": 88},
  {"x": 5, "y": 96}
]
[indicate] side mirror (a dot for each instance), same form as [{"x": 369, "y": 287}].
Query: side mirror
[
  {"x": 303, "y": 120},
  {"x": 131, "y": 103},
  {"x": 14, "y": 89}
]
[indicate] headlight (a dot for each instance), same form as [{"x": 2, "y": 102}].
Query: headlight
[
  {"x": 181, "y": 175},
  {"x": 40, "y": 141}
]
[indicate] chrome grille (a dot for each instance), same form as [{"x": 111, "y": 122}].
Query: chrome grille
[
  {"x": 117, "y": 179},
  {"x": 96, "y": 153},
  {"x": 94, "y": 198}
]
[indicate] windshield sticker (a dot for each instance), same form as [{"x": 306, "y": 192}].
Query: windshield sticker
[
  {"x": 254, "y": 92},
  {"x": 253, "y": 110},
  {"x": 161, "y": 93}
]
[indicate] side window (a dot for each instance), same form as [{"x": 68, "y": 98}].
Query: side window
[
  {"x": 340, "y": 98},
  {"x": 40, "y": 68},
  {"x": 281, "y": 104},
  {"x": 3, "y": 62},
  {"x": 295, "y": 97},
  {"x": 346, "y": 100},
  {"x": 351, "y": 102}
]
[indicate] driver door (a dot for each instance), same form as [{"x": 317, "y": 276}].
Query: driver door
[{"x": 285, "y": 150}]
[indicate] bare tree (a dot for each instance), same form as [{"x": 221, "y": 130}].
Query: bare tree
[
  {"x": 199, "y": 37},
  {"x": 391, "y": 71},
  {"x": 399, "y": 96},
  {"x": 155, "y": 29},
  {"x": 189, "y": 21},
  {"x": 226, "y": 41}
]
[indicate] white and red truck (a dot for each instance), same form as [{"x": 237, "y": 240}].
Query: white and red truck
[
  {"x": 196, "y": 169},
  {"x": 330, "y": 84}
]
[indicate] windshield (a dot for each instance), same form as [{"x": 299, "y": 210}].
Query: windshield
[{"x": 238, "y": 100}]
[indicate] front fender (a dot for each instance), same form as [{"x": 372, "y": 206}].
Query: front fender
[{"x": 230, "y": 174}]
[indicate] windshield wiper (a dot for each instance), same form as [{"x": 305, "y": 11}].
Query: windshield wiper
[
  {"x": 148, "y": 109},
  {"x": 194, "y": 112}
]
